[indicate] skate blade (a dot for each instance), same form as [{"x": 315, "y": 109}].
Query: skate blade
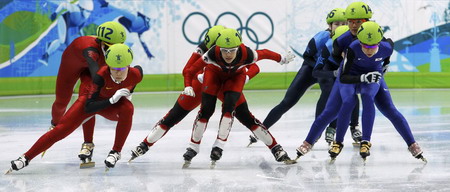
[
  {"x": 9, "y": 171},
  {"x": 87, "y": 165},
  {"x": 213, "y": 164},
  {"x": 332, "y": 160},
  {"x": 132, "y": 158},
  {"x": 43, "y": 153},
  {"x": 186, "y": 164},
  {"x": 290, "y": 162},
  {"x": 364, "y": 161},
  {"x": 249, "y": 144},
  {"x": 106, "y": 169},
  {"x": 356, "y": 144},
  {"x": 424, "y": 160}
]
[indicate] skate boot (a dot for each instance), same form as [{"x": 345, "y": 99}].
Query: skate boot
[
  {"x": 253, "y": 139},
  {"x": 364, "y": 150},
  {"x": 335, "y": 149},
  {"x": 216, "y": 154},
  {"x": 329, "y": 135},
  {"x": 190, "y": 153},
  {"x": 112, "y": 159},
  {"x": 356, "y": 135},
  {"x": 85, "y": 155},
  {"x": 303, "y": 149},
  {"x": 281, "y": 155},
  {"x": 18, "y": 164},
  {"x": 141, "y": 149},
  {"x": 416, "y": 152}
]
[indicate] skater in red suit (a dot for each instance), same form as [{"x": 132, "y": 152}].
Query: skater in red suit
[
  {"x": 225, "y": 72},
  {"x": 81, "y": 60},
  {"x": 105, "y": 96}
]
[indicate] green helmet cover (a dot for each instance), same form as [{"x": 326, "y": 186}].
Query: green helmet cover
[
  {"x": 119, "y": 56},
  {"x": 339, "y": 31},
  {"x": 358, "y": 10},
  {"x": 229, "y": 38},
  {"x": 212, "y": 34},
  {"x": 370, "y": 33},
  {"x": 337, "y": 14},
  {"x": 111, "y": 32}
]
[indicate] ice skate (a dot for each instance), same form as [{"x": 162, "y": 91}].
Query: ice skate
[
  {"x": 190, "y": 153},
  {"x": 303, "y": 149},
  {"x": 252, "y": 140},
  {"x": 216, "y": 154},
  {"x": 364, "y": 150},
  {"x": 329, "y": 135},
  {"x": 49, "y": 129},
  {"x": 112, "y": 159},
  {"x": 85, "y": 155},
  {"x": 417, "y": 152},
  {"x": 335, "y": 150},
  {"x": 140, "y": 150},
  {"x": 18, "y": 164},
  {"x": 356, "y": 135},
  {"x": 281, "y": 156}
]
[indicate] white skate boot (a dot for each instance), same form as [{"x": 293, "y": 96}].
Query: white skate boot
[
  {"x": 416, "y": 152},
  {"x": 18, "y": 164},
  {"x": 112, "y": 159}
]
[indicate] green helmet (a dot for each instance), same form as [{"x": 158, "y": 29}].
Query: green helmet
[
  {"x": 337, "y": 14},
  {"x": 370, "y": 33},
  {"x": 111, "y": 32},
  {"x": 118, "y": 56},
  {"x": 339, "y": 31},
  {"x": 358, "y": 10},
  {"x": 229, "y": 38},
  {"x": 212, "y": 34}
]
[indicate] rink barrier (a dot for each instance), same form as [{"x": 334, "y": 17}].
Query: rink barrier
[{"x": 174, "y": 82}]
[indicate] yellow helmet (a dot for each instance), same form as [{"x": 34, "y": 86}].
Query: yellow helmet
[{"x": 118, "y": 56}]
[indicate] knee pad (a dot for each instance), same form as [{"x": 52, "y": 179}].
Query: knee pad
[
  {"x": 156, "y": 133},
  {"x": 224, "y": 128},
  {"x": 264, "y": 135},
  {"x": 198, "y": 129}
]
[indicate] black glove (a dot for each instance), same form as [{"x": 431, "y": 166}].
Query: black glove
[{"x": 371, "y": 77}]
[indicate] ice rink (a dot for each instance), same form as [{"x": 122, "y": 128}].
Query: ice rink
[{"x": 389, "y": 168}]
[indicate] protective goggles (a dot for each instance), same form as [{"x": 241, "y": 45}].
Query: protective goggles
[
  {"x": 369, "y": 46},
  {"x": 229, "y": 50},
  {"x": 356, "y": 21},
  {"x": 119, "y": 69}
]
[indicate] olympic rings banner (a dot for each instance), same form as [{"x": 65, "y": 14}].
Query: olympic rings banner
[{"x": 163, "y": 34}]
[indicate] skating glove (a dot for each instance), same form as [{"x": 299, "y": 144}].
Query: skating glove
[
  {"x": 287, "y": 58},
  {"x": 200, "y": 77},
  {"x": 385, "y": 69},
  {"x": 129, "y": 97},
  {"x": 119, "y": 94},
  {"x": 371, "y": 77},
  {"x": 189, "y": 91}
]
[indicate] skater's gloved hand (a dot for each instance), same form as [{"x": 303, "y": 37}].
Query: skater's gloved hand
[
  {"x": 371, "y": 77},
  {"x": 200, "y": 77},
  {"x": 189, "y": 91},
  {"x": 385, "y": 69},
  {"x": 246, "y": 79},
  {"x": 129, "y": 97},
  {"x": 119, "y": 94},
  {"x": 285, "y": 59}
]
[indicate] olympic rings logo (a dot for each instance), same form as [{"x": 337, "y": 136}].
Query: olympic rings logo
[{"x": 251, "y": 34}]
